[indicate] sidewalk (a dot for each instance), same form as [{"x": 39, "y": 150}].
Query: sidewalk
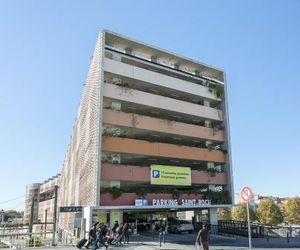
[{"x": 186, "y": 241}]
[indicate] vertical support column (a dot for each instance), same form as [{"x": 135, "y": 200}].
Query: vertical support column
[
  {"x": 82, "y": 225},
  {"x": 213, "y": 216},
  {"x": 87, "y": 217},
  {"x": 46, "y": 211},
  {"x": 207, "y": 124},
  {"x": 206, "y": 103},
  {"x": 54, "y": 215},
  {"x": 31, "y": 216}
]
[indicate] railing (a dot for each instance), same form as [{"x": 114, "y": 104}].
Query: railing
[
  {"x": 22, "y": 240},
  {"x": 18, "y": 241},
  {"x": 239, "y": 228},
  {"x": 68, "y": 239}
]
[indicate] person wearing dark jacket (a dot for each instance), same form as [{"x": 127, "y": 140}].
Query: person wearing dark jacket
[
  {"x": 126, "y": 232},
  {"x": 92, "y": 235},
  {"x": 203, "y": 238},
  {"x": 101, "y": 236},
  {"x": 115, "y": 226}
]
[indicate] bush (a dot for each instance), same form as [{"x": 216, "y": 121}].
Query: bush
[{"x": 34, "y": 241}]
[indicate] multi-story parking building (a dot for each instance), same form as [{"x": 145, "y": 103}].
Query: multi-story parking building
[{"x": 151, "y": 137}]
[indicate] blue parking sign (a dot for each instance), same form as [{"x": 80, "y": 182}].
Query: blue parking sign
[{"x": 155, "y": 174}]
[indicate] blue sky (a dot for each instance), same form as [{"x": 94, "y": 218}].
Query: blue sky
[{"x": 45, "y": 49}]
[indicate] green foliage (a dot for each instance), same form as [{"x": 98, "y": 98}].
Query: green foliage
[
  {"x": 268, "y": 212},
  {"x": 221, "y": 197},
  {"x": 34, "y": 241},
  {"x": 224, "y": 214},
  {"x": 292, "y": 211},
  {"x": 216, "y": 90},
  {"x": 115, "y": 191},
  {"x": 212, "y": 172},
  {"x": 240, "y": 213},
  {"x": 141, "y": 192},
  {"x": 175, "y": 193},
  {"x": 12, "y": 214}
]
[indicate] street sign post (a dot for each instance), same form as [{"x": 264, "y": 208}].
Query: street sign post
[{"x": 247, "y": 196}]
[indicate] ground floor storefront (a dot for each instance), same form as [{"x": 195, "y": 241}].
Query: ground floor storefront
[{"x": 143, "y": 220}]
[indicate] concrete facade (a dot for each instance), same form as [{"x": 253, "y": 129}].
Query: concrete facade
[
  {"x": 144, "y": 106},
  {"x": 41, "y": 197}
]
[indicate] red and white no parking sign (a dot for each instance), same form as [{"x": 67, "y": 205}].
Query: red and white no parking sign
[{"x": 247, "y": 194}]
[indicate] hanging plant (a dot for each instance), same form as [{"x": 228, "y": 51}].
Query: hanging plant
[
  {"x": 212, "y": 172},
  {"x": 141, "y": 192},
  {"x": 217, "y": 90},
  {"x": 115, "y": 191},
  {"x": 175, "y": 193}
]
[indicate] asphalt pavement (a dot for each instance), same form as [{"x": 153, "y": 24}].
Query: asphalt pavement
[{"x": 187, "y": 241}]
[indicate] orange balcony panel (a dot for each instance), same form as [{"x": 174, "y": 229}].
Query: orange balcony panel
[
  {"x": 128, "y": 199},
  {"x": 125, "y": 173},
  {"x": 160, "y": 125},
  {"x": 140, "y": 147},
  {"x": 202, "y": 177},
  {"x": 114, "y": 172}
]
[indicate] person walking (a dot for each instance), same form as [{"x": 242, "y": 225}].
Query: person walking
[
  {"x": 203, "y": 238},
  {"x": 126, "y": 232},
  {"x": 102, "y": 236},
  {"x": 92, "y": 235}
]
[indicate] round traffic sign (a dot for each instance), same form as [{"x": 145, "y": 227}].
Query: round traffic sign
[{"x": 247, "y": 194}]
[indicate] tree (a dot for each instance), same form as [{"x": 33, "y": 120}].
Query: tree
[
  {"x": 291, "y": 210},
  {"x": 268, "y": 212},
  {"x": 224, "y": 214},
  {"x": 11, "y": 214},
  {"x": 240, "y": 213}
]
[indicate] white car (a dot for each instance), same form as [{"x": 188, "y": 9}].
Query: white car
[{"x": 181, "y": 226}]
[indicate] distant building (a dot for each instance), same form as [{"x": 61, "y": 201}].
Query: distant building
[
  {"x": 41, "y": 195},
  {"x": 32, "y": 197}
]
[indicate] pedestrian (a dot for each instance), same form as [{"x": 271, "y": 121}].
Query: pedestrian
[
  {"x": 115, "y": 226},
  {"x": 203, "y": 238},
  {"x": 92, "y": 235},
  {"x": 102, "y": 236},
  {"x": 126, "y": 232}
]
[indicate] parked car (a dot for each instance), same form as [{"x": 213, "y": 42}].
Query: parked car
[{"x": 181, "y": 226}]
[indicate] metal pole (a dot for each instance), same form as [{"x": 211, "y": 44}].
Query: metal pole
[
  {"x": 249, "y": 227},
  {"x": 31, "y": 216},
  {"x": 46, "y": 211},
  {"x": 54, "y": 215}
]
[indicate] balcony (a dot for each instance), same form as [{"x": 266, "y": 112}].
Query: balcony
[
  {"x": 144, "y": 52},
  {"x": 146, "y": 80},
  {"x": 162, "y": 126},
  {"x": 160, "y": 103},
  {"x": 156, "y": 149},
  {"x": 128, "y": 199},
  {"x": 137, "y": 174}
]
